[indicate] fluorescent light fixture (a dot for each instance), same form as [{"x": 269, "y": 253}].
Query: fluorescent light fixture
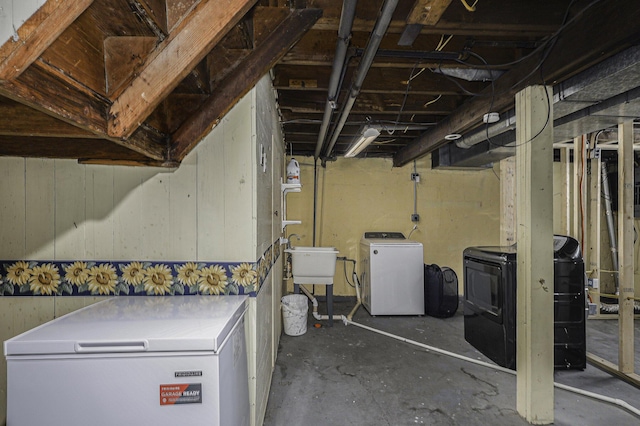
[{"x": 368, "y": 136}]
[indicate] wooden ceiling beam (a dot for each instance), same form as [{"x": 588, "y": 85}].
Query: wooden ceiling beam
[
  {"x": 455, "y": 28},
  {"x": 17, "y": 119},
  {"x": 574, "y": 49},
  {"x": 123, "y": 57},
  {"x": 37, "y": 34},
  {"x": 423, "y": 12},
  {"x": 427, "y": 12},
  {"x": 172, "y": 61},
  {"x": 46, "y": 93},
  {"x": 45, "y": 147},
  {"x": 237, "y": 84}
]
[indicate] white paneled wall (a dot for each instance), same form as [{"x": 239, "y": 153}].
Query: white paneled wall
[
  {"x": 13, "y": 13},
  {"x": 12, "y": 207},
  {"x": 204, "y": 210},
  {"x": 217, "y": 206}
]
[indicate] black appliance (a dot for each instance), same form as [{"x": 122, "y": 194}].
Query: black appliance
[
  {"x": 490, "y": 277},
  {"x": 440, "y": 291}
]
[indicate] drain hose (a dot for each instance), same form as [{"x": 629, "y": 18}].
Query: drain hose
[{"x": 614, "y": 401}]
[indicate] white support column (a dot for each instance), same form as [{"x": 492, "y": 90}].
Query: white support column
[
  {"x": 534, "y": 181},
  {"x": 508, "y": 201},
  {"x": 625, "y": 246}
]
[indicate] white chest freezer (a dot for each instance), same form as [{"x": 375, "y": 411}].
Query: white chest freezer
[
  {"x": 392, "y": 274},
  {"x": 178, "y": 360}
]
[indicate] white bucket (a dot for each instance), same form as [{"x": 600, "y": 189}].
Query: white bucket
[{"x": 294, "y": 313}]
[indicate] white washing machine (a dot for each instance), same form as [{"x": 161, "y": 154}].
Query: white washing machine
[{"x": 391, "y": 274}]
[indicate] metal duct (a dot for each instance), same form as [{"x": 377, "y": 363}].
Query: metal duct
[
  {"x": 593, "y": 95},
  {"x": 507, "y": 122},
  {"x": 596, "y": 99},
  {"x": 344, "y": 34},
  {"x": 379, "y": 30}
]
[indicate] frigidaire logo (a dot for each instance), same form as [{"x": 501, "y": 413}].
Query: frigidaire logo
[{"x": 188, "y": 373}]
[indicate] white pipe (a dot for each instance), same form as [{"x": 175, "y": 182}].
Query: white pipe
[
  {"x": 614, "y": 401},
  {"x": 358, "y": 300},
  {"x": 314, "y": 302}
]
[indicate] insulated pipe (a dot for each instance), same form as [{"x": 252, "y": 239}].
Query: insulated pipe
[
  {"x": 369, "y": 54},
  {"x": 344, "y": 34},
  {"x": 610, "y": 225},
  {"x": 615, "y": 401}
]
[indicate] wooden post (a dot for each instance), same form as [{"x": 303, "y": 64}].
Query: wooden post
[
  {"x": 578, "y": 188},
  {"x": 565, "y": 215},
  {"x": 534, "y": 181},
  {"x": 625, "y": 246},
  {"x": 592, "y": 256},
  {"x": 508, "y": 201}
]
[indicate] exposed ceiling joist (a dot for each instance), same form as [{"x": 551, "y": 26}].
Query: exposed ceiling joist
[
  {"x": 44, "y": 92},
  {"x": 572, "y": 49},
  {"x": 427, "y": 12},
  {"x": 39, "y": 124},
  {"x": 423, "y": 12},
  {"x": 488, "y": 29},
  {"x": 37, "y": 34},
  {"x": 237, "y": 84},
  {"x": 172, "y": 61}
]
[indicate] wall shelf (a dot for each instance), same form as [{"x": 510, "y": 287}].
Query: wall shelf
[{"x": 287, "y": 188}]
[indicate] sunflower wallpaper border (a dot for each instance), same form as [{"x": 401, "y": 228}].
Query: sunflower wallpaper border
[{"x": 135, "y": 277}]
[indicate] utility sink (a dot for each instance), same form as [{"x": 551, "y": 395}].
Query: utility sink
[{"x": 313, "y": 265}]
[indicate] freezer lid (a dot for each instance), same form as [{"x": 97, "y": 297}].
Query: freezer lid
[{"x": 136, "y": 324}]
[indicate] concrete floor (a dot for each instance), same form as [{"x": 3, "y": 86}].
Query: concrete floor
[{"x": 346, "y": 375}]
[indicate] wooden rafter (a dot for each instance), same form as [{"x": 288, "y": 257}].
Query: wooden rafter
[
  {"x": 427, "y": 12},
  {"x": 572, "y": 50},
  {"x": 13, "y": 123},
  {"x": 45, "y": 93},
  {"x": 37, "y": 34},
  {"x": 237, "y": 84},
  {"x": 173, "y": 59}
]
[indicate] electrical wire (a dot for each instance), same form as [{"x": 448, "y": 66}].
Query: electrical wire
[
  {"x": 442, "y": 43},
  {"x": 471, "y": 8},
  {"x": 433, "y": 101},
  {"x": 404, "y": 99}
]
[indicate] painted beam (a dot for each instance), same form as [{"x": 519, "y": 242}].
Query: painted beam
[
  {"x": 573, "y": 48},
  {"x": 172, "y": 60},
  {"x": 37, "y": 34},
  {"x": 534, "y": 182},
  {"x": 237, "y": 84}
]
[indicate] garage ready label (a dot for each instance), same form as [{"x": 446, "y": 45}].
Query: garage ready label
[{"x": 190, "y": 393}]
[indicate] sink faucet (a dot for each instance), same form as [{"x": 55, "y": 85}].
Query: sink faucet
[{"x": 289, "y": 239}]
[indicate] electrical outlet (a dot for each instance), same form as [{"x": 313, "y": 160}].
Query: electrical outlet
[
  {"x": 415, "y": 177},
  {"x": 415, "y": 217}
]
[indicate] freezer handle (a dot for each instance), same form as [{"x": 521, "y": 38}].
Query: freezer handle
[{"x": 110, "y": 347}]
